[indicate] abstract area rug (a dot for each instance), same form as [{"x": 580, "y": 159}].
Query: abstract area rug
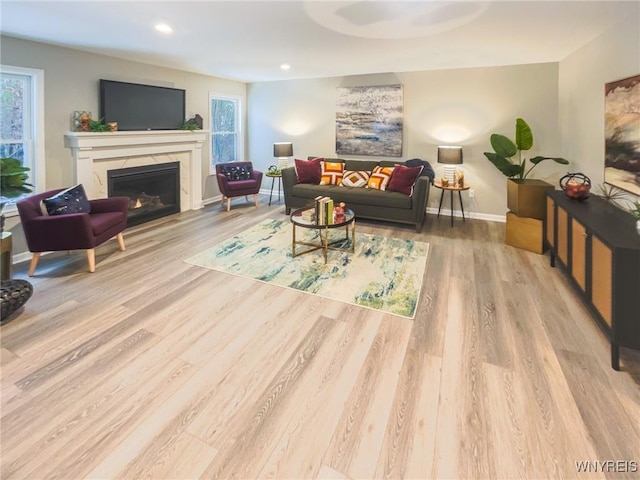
[{"x": 383, "y": 274}]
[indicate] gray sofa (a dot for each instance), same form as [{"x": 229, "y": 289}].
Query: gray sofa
[{"x": 365, "y": 202}]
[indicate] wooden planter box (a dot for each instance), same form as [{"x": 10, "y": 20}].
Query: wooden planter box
[
  {"x": 525, "y": 232},
  {"x": 526, "y": 198}
]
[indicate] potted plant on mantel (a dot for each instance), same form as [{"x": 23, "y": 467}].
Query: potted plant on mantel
[{"x": 525, "y": 197}]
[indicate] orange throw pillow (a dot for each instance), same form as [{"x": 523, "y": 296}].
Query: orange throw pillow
[
  {"x": 331, "y": 173},
  {"x": 380, "y": 178}
]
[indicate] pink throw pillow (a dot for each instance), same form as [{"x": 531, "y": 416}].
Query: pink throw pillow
[{"x": 309, "y": 171}]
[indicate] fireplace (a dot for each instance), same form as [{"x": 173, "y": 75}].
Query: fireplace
[{"x": 153, "y": 190}]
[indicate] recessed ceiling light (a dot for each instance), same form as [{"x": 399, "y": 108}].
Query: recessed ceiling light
[
  {"x": 164, "y": 28},
  {"x": 285, "y": 66}
]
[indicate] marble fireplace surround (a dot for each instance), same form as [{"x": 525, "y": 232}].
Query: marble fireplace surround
[{"x": 95, "y": 153}]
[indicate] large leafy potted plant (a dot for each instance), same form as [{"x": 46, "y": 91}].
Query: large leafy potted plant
[
  {"x": 13, "y": 182},
  {"x": 525, "y": 197}
]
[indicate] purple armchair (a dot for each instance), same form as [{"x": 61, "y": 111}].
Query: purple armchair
[
  {"x": 238, "y": 179},
  {"x": 74, "y": 231}
]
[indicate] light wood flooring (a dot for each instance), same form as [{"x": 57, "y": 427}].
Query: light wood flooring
[{"x": 153, "y": 368}]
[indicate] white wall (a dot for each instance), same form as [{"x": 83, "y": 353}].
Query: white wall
[
  {"x": 461, "y": 106},
  {"x": 582, "y": 77}
]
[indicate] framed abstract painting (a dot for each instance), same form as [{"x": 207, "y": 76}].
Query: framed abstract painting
[
  {"x": 369, "y": 121},
  {"x": 622, "y": 134}
]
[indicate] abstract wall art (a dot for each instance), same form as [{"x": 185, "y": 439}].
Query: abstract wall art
[
  {"x": 369, "y": 121},
  {"x": 622, "y": 134}
]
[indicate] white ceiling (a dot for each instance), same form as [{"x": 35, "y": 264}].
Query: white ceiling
[{"x": 248, "y": 40}]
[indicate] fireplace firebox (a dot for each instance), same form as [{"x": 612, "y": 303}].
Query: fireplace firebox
[{"x": 153, "y": 190}]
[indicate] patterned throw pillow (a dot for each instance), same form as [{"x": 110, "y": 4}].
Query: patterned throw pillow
[
  {"x": 71, "y": 200},
  {"x": 235, "y": 172},
  {"x": 331, "y": 173},
  {"x": 380, "y": 178},
  {"x": 355, "y": 178}
]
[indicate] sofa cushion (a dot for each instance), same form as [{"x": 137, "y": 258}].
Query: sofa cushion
[
  {"x": 366, "y": 165},
  {"x": 71, "y": 200},
  {"x": 387, "y": 163},
  {"x": 309, "y": 171},
  {"x": 353, "y": 195},
  {"x": 355, "y": 178},
  {"x": 403, "y": 179},
  {"x": 380, "y": 177},
  {"x": 241, "y": 185},
  {"x": 331, "y": 172},
  {"x": 235, "y": 172}
]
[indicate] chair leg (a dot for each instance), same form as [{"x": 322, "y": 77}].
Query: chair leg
[
  {"x": 255, "y": 198},
  {"x": 34, "y": 262},
  {"x": 91, "y": 256},
  {"x": 121, "y": 241},
  {"x": 228, "y": 203}
]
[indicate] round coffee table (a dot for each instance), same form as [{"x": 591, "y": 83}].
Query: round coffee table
[{"x": 323, "y": 243}]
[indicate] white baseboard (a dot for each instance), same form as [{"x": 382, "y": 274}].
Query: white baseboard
[
  {"x": 26, "y": 257},
  {"x": 475, "y": 215},
  {"x": 22, "y": 257},
  {"x": 209, "y": 201},
  {"x": 218, "y": 198}
]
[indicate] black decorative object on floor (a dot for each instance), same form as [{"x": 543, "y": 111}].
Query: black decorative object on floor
[{"x": 13, "y": 295}]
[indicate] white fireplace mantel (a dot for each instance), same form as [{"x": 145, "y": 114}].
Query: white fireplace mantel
[{"x": 95, "y": 153}]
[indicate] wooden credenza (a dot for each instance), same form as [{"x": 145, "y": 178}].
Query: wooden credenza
[{"x": 598, "y": 246}]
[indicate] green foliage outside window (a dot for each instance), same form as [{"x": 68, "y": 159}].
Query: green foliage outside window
[
  {"x": 224, "y": 136},
  {"x": 12, "y": 109}
]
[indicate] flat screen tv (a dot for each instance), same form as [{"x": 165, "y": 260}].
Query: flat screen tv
[{"x": 141, "y": 107}]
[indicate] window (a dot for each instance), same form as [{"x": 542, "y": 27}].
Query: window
[
  {"x": 22, "y": 120},
  {"x": 226, "y": 132}
]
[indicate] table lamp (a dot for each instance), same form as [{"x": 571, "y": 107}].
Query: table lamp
[
  {"x": 283, "y": 150},
  {"x": 450, "y": 156}
]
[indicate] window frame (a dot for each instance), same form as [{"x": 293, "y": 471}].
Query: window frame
[
  {"x": 238, "y": 101},
  {"x": 34, "y": 134}
]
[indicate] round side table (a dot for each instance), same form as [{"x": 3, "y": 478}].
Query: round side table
[
  {"x": 450, "y": 188},
  {"x": 273, "y": 177}
]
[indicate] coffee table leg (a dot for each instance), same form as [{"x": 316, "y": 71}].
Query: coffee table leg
[
  {"x": 326, "y": 243},
  {"x": 353, "y": 236},
  {"x": 293, "y": 242}
]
